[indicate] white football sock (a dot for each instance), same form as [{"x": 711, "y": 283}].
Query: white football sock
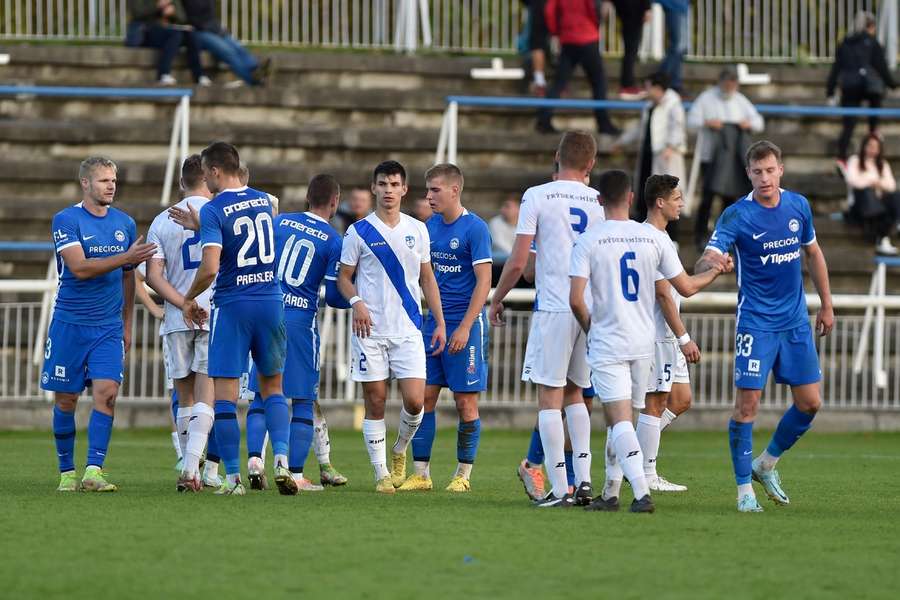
[
  {"x": 177, "y": 445},
  {"x": 628, "y": 452},
  {"x": 182, "y": 419},
  {"x": 210, "y": 469},
  {"x": 579, "y": 422},
  {"x": 744, "y": 489},
  {"x": 767, "y": 461},
  {"x": 613, "y": 469},
  {"x": 539, "y": 79},
  {"x": 423, "y": 468},
  {"x": 611, "y": 488},
  {"x": 321, "y": 442},
  {"x": 464, "y": 470},
  {"x": 409, "y": 424},
  {"x": 648, "y": 437},
  {"x": 232, "y": 478},
  {"x": 202, "y": 418},
  {"x": 281, "y": 460},
  {"x": 666, "y": 419},
  {"x": 262, "y": 455},
  {"x": 374, "y": 432},
  {"x": 553, "y": 439}
]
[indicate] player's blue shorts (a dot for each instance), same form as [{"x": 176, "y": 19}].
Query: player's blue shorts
[
  {"x": 465, "y": 371},
  {"x": 75, "y": 354},
  {"x": 791, "y": 354},
  {"x": 301, "y": 367},
  {"x": 254, "y": 326}
]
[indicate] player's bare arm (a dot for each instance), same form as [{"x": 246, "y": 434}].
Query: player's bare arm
[
  {"x": 433, "y": 300},
  {"x": 362, "y": 320},
  {"x": 818, "y": 272},
  {"x": 161, "y": 285},
  {"x": 460, "y": 336},
  {"x": 709, "y": 260},
  {"x": 141, "y": 295},
  {"x": 579, "y": 307},
  {"x": 87, "y": 268},
  {"x": 512, "y": 271},
  {"x": 688, "y": 285},
  {"x": 670, "y": 311},
  {"x": 206, "y": 274},
  {"x": 127, "y": 306}
]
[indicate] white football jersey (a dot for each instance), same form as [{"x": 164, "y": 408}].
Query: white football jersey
[
  {"x": 180, "y": 249},
  {"x": 620, "y": 259},
  {"x": 663, "y": 331},
  {"x": 388, "y": 261},
  {"x": 556, "y": 213}
]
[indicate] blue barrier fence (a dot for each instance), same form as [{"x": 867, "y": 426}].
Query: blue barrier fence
[
  {"x": 95, "y": 92},
  {"x": 13, "y": 246}
]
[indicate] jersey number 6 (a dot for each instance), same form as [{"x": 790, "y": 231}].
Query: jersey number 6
[{"x": 629, "y": 277}]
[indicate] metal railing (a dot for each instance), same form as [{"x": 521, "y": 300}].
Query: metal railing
[{"x": 749, "y": 30}]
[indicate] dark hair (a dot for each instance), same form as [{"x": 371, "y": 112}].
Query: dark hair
[
  {"x": 576, "y": 150},
  {"x": 761, "y": 149},
  {"x": 660, "y": 79},
  {"x": 389, "y": 167},
  {"x": 879, "y": 158},
  {"x": 223, "y": 156},
  {"x": 191, "y": 173},
  {"x": 614, "y": 186},
  {"x": 322, "y": 188},
  {"x": 728, "y": 74},
  {"x": 659, "y": 186},
  {"x": 447, "y": 171}
]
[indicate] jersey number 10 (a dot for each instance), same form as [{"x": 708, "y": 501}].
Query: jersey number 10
[
  {"x": 290, "y": 255},
  {"x": 260, "y": 228}
]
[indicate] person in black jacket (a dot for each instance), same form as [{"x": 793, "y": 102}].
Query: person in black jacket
[
  {"x": 861, "y": 72},
  {"x": 162, "y": 24}
]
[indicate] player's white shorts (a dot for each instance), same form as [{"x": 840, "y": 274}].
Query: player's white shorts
[
  {"x": 669, "y": 366},
  {"x": 377, "y": 359},
  {"x": 556, "y": 351},
  {"x": 622, "y": 380},
  {"x": 186, "y": 352}
]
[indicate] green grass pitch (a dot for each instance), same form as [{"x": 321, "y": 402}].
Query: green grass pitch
[{"x": 840, "y": 537}]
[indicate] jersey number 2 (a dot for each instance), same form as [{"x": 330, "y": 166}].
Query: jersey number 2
[
  {"x": 187, "y": 262},
  {"x": 261, "y": 228},
  {"x": 579, "y": 219},
  {"x": 629, "y": 277}
]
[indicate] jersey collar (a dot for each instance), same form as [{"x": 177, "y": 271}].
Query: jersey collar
[{"x": 313, "y": 215}]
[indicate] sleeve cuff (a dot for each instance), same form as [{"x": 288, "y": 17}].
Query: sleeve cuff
[
  {"x": 482, "y": 261},
  {"x": 216, "y": 244},
  {"x": 64, "y": 246},
  {"x": 714, "y": 249},
  {"x": 809, "y": 242},
  {"x": 330, "y": 278}
]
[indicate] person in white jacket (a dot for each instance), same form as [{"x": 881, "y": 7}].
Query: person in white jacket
[{"x": 876, "y": 203}]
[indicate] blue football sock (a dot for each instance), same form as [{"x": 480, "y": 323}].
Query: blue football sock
[
  {"x": 64, "y": 432},
  {"x": 468, "y": 435},
  {"x": 256, "y": 427},
  {"x": 212, "y": 446},
  {"x": 535, "y": 455},
  {"x": 740, "y": 438},
  {"x": 570, "y": 467},
  {"x": 99, "y": 432},
  {"x": 792, "y": 425},
  {"x": 301, "y": 434},
  {"x": 423, "y": 440},
  {"x": 278, "y": 422},
  {"x": 174, "y": 405},
  {"x": 228, "y": 434}
]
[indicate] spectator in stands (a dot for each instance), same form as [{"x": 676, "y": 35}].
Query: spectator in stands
[
  {"x": 503, "y": 228},
  {"x": 421, "y": 209},
  {"x": 215, "y": 39},
  {"x": 632, "y": 15},
  {"x": 660, "y": 137},
  {"x": 725, "y": 118},
  {"x": 876, "y": 203},
  {"x": 861, "y": 72},
  {"x": 356, "y": 206},
  {"x": 162, "y": 24},
  {"x": 577, "y": 24},
  {"x": 676, "y": 12},
  {"x": 537, "y": 45}
]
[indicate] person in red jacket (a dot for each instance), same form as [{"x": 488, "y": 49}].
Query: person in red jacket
[{"x": 577, "y": 25}]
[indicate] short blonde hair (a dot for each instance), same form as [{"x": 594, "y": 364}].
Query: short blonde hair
[
  {"x": 447, "y": 171},
  {"x": 91, "y": 163}
]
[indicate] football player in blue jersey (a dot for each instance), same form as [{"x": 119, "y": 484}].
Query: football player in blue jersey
[
  {"x": 461, "y": 258},
  {"x": 238, "y": 242},
  {"x": 769, "y": 229},
  {"x": 97, "y": 247},
  {"x": 308, "y": 250}
]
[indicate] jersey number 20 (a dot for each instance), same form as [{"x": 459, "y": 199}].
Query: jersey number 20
[{"x": 260, "y": 228}]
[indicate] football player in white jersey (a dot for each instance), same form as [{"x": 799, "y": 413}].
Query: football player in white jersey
[
  {"x": 389, "y": 253},
  {"x": 620, "y": 259},
  {"x": 554, "y": 215},
  {"x": 669, "y": 386},
  {"x": 170, "y": 273}
]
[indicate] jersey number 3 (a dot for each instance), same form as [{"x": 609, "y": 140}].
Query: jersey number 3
[{"x": 260, "y": 228}]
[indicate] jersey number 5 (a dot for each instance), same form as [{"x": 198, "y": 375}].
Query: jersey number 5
[
  {"x": 260, "y": 228},
  {"x": 629, "y": 277}
]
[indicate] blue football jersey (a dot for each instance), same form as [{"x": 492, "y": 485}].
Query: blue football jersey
[
  {"x": 308, "y": 250},
  {"x": 98, "y": 300},
  {"x": 240, "y": 222},
  {"x": 455, "y": 249},
  {"x": 767, "y": 244}
]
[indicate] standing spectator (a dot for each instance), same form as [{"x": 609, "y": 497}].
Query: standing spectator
[
  {"x": 632, "y": 14},
  {"x": 724, "y": 117},
  {"x": 162, "y": 24},
  {"x": 357, "y": 206},
  {"x": 577, "y": 24},
  {"x": 876, "y": 203},
  {"x": 861, "y": 71},
  {"x": 215, "y": 39},
  {"x": 503, "y": 228},
  {"x": 537, "y": 45},
  {"x": 676, "y": 12},
  {"x": 421, "y": 209}
]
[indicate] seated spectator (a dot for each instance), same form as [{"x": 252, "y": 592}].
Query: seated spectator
[
  {"x": 421, "y": 209},
  {"x": 503, "y": 228},
  {"x": 356, "y": 206},
  {"x": 162, "y": 24},
  {"x": 876, "y": 203},
  {"x": 215, "y": 39}
]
